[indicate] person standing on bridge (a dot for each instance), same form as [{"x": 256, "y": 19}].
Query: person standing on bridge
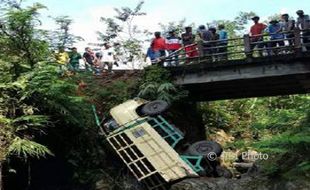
[
  {"x": 206, "y": 36},
  {"x": 256, "y": 33},
  {"x": 288, "y": 26},
  {"x": 173, "y": 43},
  {"x": 158, "y": 45},
  {"x": 150, "y": 54},
  {"x": 223, "y": 42},
  {"x": 303, "y": 23},
  {"x": 276, "y": 37},
  {"x": 188, "y": 39},
  {"x": 214, "y": 43}
]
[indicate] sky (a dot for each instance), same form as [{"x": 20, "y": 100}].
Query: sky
[{"x": 86, "y": 13}]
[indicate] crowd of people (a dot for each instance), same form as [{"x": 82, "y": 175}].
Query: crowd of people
[
  {"x": 99, "y": 62},
  {"x": 214, "y": 46},
  {"x": 215, "y": 40}
]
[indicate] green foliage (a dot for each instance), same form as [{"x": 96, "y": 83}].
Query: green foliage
[
  {"x": 20, "y": 41},
  {"x": 156, "y": 85},
  {"x": 57, "y": 97},
  {"x": 289, "y": 152},
  {"x": 124, "y": 34},
  {"x": 278, "y": 126},
  {"x": 178, "y": 27},
  {"x": 243, "y": 19},
  {"x": 26, "y": 148},
  {"x": 62, "y": 36},
  {"x": 107, "y": 93},
  {"x": 34, "y": 101}
]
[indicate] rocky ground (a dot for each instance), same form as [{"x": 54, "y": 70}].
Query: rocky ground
[{"x": 244, "y": 183}]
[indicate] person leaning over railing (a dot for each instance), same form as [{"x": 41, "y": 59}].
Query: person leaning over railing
[
  {"x": 303, "y": 23},
  {"x": 256, "y": 33}
]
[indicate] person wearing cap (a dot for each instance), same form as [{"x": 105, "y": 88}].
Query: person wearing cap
[
  {"x": 256, "y": 33},
  {"x": 274, "y": 30},
  {"x": 188, "y": 39},
  {"x": 288, "y": 26},
  {"x": 173, "y": 43},
  {"x": 303, "y": 23}
]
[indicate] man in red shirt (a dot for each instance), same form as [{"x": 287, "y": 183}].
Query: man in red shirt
[
  {"x": 158, "y": 45},
  {"x": 256, "y": 33}
]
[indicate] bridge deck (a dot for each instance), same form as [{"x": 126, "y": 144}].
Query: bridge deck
[{"x": 256, "y": 77}]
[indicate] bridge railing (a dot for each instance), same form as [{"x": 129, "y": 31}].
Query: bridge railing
[{"x": 241, "y": 48}]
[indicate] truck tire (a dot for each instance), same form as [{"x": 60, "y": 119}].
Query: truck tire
[
  {"x": 155, "y": 107},
  {"x": 207, "y": 149}
]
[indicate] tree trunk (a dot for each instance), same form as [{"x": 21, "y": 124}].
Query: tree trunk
[{"x": 29, "y": 175}]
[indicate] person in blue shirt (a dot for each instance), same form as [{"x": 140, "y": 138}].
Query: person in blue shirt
[
  {"x": 276, "y": 37},
  {"x": 223, "y": 36}
]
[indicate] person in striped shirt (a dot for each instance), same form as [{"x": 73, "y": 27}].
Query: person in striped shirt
[{"x": 173, "y": 43}]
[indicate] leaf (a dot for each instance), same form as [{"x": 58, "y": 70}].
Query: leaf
[{"x": 25, "y": 148}]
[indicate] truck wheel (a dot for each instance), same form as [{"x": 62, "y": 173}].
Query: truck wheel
[
  {"x": 154, "y": 108},
  {"x": 207, "y": 149}
]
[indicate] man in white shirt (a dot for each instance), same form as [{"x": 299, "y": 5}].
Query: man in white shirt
[{"x": 108, "y": 57}]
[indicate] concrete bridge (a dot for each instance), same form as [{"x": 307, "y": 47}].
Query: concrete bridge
[
  {"x": 257, "y": 77},
  {"x": 236, "y": 73}
]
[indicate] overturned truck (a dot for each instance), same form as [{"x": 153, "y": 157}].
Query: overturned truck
[{"x": 153, "y": 149}]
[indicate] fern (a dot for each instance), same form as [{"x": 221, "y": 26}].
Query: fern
[
  {"x": 25, "y": 148},
  {"x": 166, "y": 87}
]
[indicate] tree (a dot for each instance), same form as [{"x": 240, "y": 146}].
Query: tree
[
  {"x": 62, "y": 36},
  {"x": 178, "y": 27},
  {"x": 21, "y": 49},
  {"x": 124, "y": 34},
  {"x": 21, "y": 43}
]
